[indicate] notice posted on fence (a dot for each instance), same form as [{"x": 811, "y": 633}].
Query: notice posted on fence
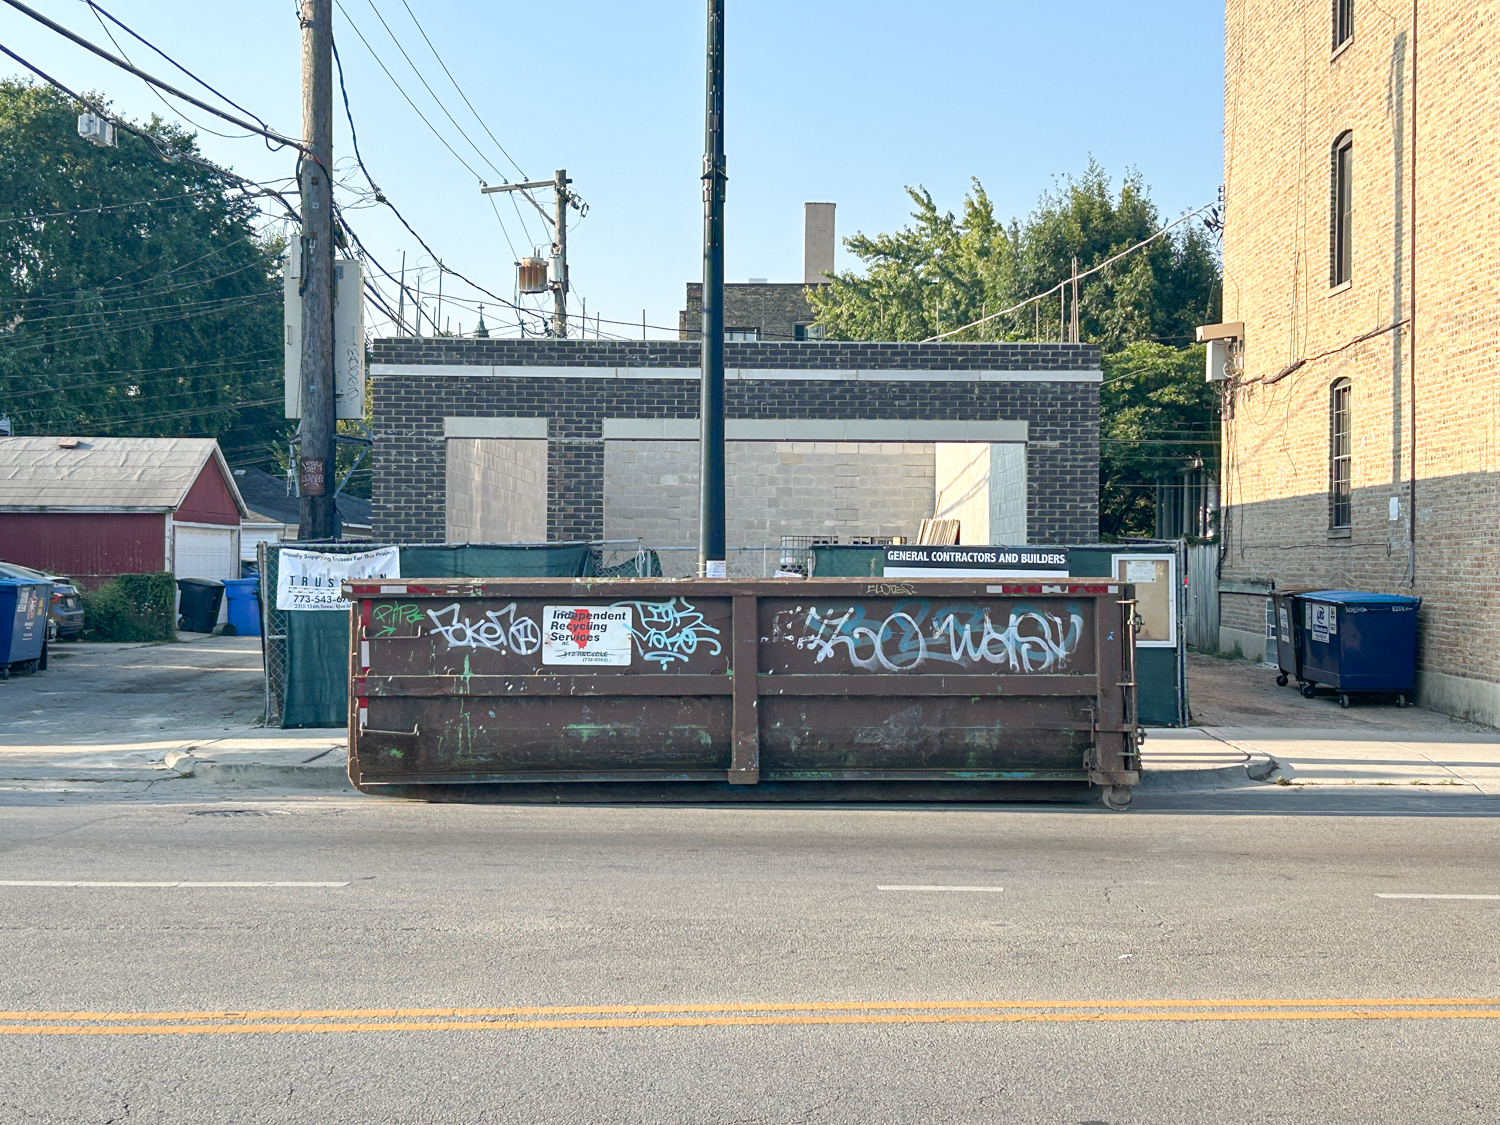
[
  {"x": 310, "y": 580},
  {"x": 578, "y": 634}
]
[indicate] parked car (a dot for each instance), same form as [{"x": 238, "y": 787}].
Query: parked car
[{"x": 65, "y": 615}]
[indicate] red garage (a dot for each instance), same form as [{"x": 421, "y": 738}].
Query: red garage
[{"x": 92, "y": 508}]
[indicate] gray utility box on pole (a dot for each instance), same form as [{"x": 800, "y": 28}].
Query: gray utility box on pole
[{"x": 348, "y": 337}]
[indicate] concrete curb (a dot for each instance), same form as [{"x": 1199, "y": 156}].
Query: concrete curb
[
  {"x": 252, "y": 775},
  {"x": 1254, "y": 771}
]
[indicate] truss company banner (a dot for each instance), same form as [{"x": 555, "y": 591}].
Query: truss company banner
[{"x": 310, "y": 580}]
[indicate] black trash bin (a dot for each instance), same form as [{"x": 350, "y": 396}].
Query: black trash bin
[
  {"x": 198, "y": 605},
  {"x": 1288, "y": 613}
]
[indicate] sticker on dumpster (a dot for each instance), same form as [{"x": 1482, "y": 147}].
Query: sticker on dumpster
[
  {"x": 581, "y": 634},
  {"x": 1324, "y": 621},
  {"x": 311, "y": 580}
]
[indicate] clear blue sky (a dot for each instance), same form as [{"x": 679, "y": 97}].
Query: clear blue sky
[{"x": 839, "y": 100}]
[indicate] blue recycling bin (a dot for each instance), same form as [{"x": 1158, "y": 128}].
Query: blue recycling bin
[
  {"x": 23, "y": 625},
  {"x": 244, "y": 605},
  {"x": 1355, "y": 643}
]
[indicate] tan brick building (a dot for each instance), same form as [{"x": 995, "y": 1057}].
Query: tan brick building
[{"x": 1337, "y": 267}]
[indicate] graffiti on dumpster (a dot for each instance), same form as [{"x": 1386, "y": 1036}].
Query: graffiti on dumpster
[
  {"x": 392, "y": 615},
  {"x": 498, "y": 630},
  {"x": 912, "y": 636},
  {"x": 669, "y": 631}
]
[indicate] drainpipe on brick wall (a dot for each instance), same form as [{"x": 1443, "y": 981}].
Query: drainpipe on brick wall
[{"x": 1411, "y": 554}]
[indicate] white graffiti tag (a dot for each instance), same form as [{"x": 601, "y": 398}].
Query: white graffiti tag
[
  {"x": 896, "y": 645},
  {"x": 1030, "y": 642},
  {"x": 499, "y": 630},
  {"x": 669, "y": 631}
]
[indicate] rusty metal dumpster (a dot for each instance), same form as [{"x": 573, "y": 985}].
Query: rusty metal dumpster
[{"x": 781, "y": 689}]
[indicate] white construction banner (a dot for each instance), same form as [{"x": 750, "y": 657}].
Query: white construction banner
[
  {"x": 311, "y": 580},
  {"x": 576, "y": 634}
]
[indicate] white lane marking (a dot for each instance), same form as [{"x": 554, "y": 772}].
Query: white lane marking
[
  {"x": 1439, "y": 896},
  {"x": 102, "y": 883},
  {"x": 925, "y": 887}
]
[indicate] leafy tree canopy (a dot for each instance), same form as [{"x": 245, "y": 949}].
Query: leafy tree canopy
[
  {"x": 1157, "y": 414},
  {"x": 137, "y": 295},
  {"x": 947, "y": 270}
]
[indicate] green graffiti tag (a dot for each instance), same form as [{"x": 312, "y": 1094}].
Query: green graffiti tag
[{"x": 393, "y": 615}]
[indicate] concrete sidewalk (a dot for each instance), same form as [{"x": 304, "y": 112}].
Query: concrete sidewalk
[
  {"x": 132, "y": 717},
  {"x": 1206, "y": 757}
]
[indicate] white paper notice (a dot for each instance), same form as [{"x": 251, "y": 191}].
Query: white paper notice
[
  {"x": 577, "y": 634},
  {"x": 311, "y": 579},
  {"x": 1140, "y": 571}
]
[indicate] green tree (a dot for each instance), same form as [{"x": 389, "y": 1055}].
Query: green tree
[
  {"x": 943, "y": 271},
  {"x": 138, "y": 295},
  {"x": 1157, "y": 414}
]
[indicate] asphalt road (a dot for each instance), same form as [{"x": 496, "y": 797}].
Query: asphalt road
[{"x": 782, "y": 983}]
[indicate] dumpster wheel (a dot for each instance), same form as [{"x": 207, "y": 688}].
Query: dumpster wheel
[
  {"x": 1281, "y": 680},
  {"x": 1116, "y": 797}
]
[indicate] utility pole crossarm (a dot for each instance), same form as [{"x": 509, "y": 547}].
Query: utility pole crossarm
[
  {"x": 562, "y": 200},
  {"x": 520, "y": 187}
]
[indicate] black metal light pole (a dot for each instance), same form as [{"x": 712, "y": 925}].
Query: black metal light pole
[{"x": 711, "y": 553}]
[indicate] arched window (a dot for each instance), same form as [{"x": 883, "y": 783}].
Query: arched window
[
  {"x": 1340, "y": 479},
  {"x": 1341, "y": 220}
]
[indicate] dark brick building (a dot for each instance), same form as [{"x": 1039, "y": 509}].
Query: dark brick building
[
  {"x": 484, "y": 440},
  {"x": 756, "y": 310}
]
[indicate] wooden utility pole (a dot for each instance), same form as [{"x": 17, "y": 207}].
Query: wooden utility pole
[
  {"x": 560, "y": 256},
  {"x": 315, "y": 468},
  {"x": 562, "y": 200},
  {"x": 711, "y": 553}
]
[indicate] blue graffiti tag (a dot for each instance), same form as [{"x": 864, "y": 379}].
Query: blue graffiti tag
[{"x": 668, "y": 631}]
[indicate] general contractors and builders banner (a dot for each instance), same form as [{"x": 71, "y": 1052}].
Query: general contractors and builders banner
[
  {"x": 976, "y": 562},
  {"x": 310, "y": 580}
]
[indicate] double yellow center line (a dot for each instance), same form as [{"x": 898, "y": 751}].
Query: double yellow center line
[{"x": 739, "y": 1015}]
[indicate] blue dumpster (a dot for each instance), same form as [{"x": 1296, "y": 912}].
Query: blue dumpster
[
  {"x": 23, "y": 625},
  {"x": 1355, "y": 642},
  {"x": 244, "y": 605}
]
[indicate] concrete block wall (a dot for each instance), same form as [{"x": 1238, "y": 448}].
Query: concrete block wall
[
  {"x": 418, "y": 384},
  {"x": 1291, "y": 98},
  {"x": 772, "y": 489},
  {"x": 984, "y": 488},
  {"x": 496, "y": 490}
]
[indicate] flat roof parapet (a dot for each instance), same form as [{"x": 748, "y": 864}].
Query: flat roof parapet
[{"x": 748, "y": 355}]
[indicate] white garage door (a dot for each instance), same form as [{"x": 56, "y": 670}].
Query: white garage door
[
  {"x": 203, "y": 552},
  {"x": 206, "y": 552}
]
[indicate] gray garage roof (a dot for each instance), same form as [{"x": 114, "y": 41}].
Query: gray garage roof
[{"x": 94, "y": 474}]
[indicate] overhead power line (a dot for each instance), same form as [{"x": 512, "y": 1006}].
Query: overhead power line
[
  {"x": 102, "y": 209},
  {"x": 461, "y": 93},
  {"x": 399, "y": 90},
  {"x": 155, "y": 142},
  {"x": 159, "y": 96},
  {"x": 135, "y": 35},
  {"x": 269, "y": 134},
  {"x": 429, "y": 89},
  {"x": 1068, "y": 280}
]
